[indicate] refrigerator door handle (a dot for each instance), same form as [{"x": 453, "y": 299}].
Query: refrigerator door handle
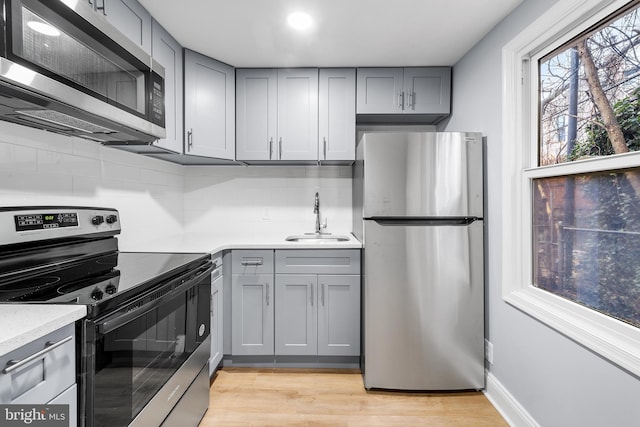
[{"x": 424, "y": 221}]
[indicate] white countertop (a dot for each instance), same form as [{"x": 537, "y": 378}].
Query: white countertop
[
  {"x": 215, "y": 242},
  {"x": 22, "y": 323}
]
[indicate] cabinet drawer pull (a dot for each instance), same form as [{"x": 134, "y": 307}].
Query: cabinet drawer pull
[
  {"x": 323, "y": 285},
  {"x": 251, "y": 262},
  {"x": 280, "y": 149},
  {"x": 324, "y": 147},
  {"x": 12, "y": 365},
  {"x": 270, "y": 148},
  {"x": 311, "y": 294}
]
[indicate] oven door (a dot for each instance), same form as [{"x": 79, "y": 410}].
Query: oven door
[{"x": 141, "y": 348}]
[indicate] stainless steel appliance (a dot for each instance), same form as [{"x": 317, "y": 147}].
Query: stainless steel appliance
[
  {"x": 65, "y": 69},
  {"x": 418, "y": 209},
  {"x": 144, "y": 345}
]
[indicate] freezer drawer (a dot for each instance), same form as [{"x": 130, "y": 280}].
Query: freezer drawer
[
  {"x": 420, "y": 174},
  {"x": 423, "y": 306}
]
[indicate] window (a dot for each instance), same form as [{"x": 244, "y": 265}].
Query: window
[{"x": 572, "y": 215}]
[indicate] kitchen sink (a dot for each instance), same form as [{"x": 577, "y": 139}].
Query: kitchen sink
[{"x": 318, "y": 238}]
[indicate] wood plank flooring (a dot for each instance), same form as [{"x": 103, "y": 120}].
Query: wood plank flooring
[{"x": 283, "y": 397}]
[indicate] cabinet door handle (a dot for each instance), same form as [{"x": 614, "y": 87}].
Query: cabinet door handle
[
  {"x": 410, "y": 100},
  {"x": 270, "y": 148},
  {"x": 311, "y": 284},
  {"x": 102, "y": 8},
  {"x": 324, "y": 147},
  {"x": 12, "y": 365},
  {"x": 323, "y": 285},
  {"x": 189, "y": 139},
  {"x": 280, "y": 149},
  {"x": 401, "y": 100},
  {"x": 267, "y": 293}
]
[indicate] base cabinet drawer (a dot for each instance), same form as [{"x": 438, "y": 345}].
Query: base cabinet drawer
[{"x": 39, "y": 371}]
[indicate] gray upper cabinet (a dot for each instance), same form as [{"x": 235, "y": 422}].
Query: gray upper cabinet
[
  {"x": 209, "y": 105},
  {"x": 131, "y": 19},
  {"x": 380, "y": 90},
  {"x": 168, "y": 52},
  {"x": 337, "y": 114},
  {"x": 298, "y": 114},
  {"x": 419, "y": 90},
  {"x": 256, "y": 113},
  {"x": 277, "y": 114}
]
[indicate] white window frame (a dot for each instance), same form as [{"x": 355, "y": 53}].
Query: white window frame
[{"x": 614, "y": 340}]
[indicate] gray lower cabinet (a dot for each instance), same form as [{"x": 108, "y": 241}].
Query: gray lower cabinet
[
  {"x": 296, "y": 315},
  {"x": 252, "y": 302},
  {"x": 317, "y": 302},
  {"x": 296, "y": 302},
  {"x": 339, "y": 315},
  {"x": 317, "y": 315},
  {"x": 45, "y": 372},
  {"x": 217, "y": 320}
]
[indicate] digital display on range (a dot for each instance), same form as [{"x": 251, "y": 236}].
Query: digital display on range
[{"x": 45, "y": 221}]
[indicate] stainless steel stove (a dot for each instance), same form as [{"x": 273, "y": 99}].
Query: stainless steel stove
[{"x": 144, "y": 345}]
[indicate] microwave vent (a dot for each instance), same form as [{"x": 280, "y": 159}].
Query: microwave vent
[{"x": 65, "y": 120}]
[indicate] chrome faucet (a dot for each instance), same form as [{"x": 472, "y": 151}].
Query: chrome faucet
[{"x": 316, "y": 210}]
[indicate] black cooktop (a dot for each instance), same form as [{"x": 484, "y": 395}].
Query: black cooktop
[{"x": 99, "y": 281}]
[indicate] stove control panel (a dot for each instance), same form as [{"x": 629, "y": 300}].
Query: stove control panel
[{"x": 34, "y": 223}]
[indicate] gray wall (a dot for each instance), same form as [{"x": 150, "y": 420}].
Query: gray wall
[{"x": 557, "y": 381}]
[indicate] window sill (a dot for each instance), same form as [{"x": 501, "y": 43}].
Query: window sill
[{"x": 610, "y": 338}]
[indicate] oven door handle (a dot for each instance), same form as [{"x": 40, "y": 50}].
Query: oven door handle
[{"x": 119, "y": 319}]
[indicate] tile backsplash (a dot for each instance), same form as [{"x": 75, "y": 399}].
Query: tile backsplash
[
  {"x": 42, "y": 168},
  {"x": 267, "y": 198}
]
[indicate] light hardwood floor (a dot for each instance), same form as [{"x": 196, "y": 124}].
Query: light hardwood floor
[{"x": 262, "y": 397}]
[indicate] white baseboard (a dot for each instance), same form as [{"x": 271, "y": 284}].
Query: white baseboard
[{"x": 510, "y": 409}]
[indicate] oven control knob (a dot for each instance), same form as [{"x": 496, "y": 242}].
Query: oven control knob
[
  {"x": 97, "y": 294},
  {"x": 110, "y": 289},
  {"x": 97, "y": 220},
  {"x": 111, "y": 219}
]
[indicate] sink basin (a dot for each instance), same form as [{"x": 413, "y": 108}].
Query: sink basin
[{"x": 318, "y": 238}]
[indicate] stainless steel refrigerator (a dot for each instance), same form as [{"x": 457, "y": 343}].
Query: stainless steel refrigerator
[{"x": 418, "y": 209}]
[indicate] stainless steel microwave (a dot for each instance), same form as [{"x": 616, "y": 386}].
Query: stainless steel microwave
[{"x": 66, "y": 69}]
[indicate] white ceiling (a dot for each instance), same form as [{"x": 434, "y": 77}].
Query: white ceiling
[{"x": 254, "y": 33}]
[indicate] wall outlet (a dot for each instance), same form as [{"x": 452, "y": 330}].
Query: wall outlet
[{"x": 488, "y": 351}]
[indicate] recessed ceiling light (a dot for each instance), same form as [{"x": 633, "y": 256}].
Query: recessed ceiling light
[
  {"x": 300, "y": 20},
  {"x": 43, "y": 28}
]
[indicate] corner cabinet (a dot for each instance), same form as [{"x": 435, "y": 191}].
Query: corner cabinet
[
  {"x": 168, "y": 52},
  {"x": 277, "y": 114},
  {"x": 209, "y": 105},
  {"x": 337, "y": 114},
  {"x": 422, "y": 91}
]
